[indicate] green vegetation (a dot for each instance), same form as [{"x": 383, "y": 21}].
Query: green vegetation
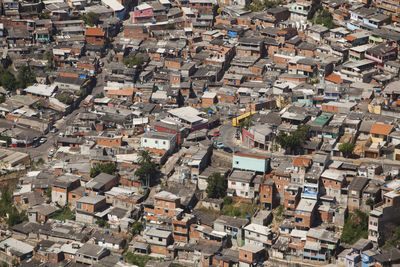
[
  {"x": 91, "y": 18},
  {"x": 394, "y": 240},
  {"x": 136, "y": 228},
  {"x": 137, "y": 259},
  {"x": 102, "y": 223},
  {"x": 260, "y": 5},
  {"x": 170, "y": 26},
  {"x": 50, "y": 61},
  {"x": 25, "y": 77},
  {"x": 355, "y": 227},
  {"x": 132, "y": 61},
  {"x": 147, "y": 167},
  {"x": 314, "y": 81},
  {"x": 7, "y": 207},
  {"x": 217, "y": 185},
  {"x": 63, "y": 214},
  {"x": 294, "y": 140},
  {"x": 347, "y": 149},
  {"x": 227, "y": 200},
  {"x": 108, "y": 168},
  {"x": 2, "y": 99},
  {"x": 280, "y": 210},
  {"x": 65, "y": 98},
  {"x": 48, "y": 191},
  {"x": 239, "y": 209},
  {"x": 7, "y": 80},
  {"x": 370, "y": 202},
  {"x": 324, "y": 17},
  {"x": 278, "y": 216},
  {"x": 44, "y": 15},
  {"x": 246, "y": 124},
  {"x": 38, "y": 105}
]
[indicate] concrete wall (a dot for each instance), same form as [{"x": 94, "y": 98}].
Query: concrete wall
[{"x": 85, "y": 218}]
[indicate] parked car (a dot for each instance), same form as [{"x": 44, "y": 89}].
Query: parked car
[
  {"x": 216, "y": 133},
  {"x": 228, "y": 149},
  {"x": 219, "y": 144},
  {"x": 43, "y": 140},
  {"x": 61, "y": 134},
  {"x": 54, "y": 130},
  {"x": 51, "y": 153}
]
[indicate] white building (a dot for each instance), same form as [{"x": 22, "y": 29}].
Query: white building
[{"x": 158, "y": 140}]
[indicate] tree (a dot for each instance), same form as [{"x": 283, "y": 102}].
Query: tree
[
  {"x": 347, "y": 149},
  {"x": 50, "y": 61},
  {"x": 136, "y": 228},
  {"x": 246, "y": 124},
  {"x": 91, "y": 18},
  {"x": 294, "y": 140},
  {"x": 132, "y": 61},
  {"x": 16, "y": 217},
  {"x": 324, "y": 17},
  {"x": 217, "y": 185},
  {"x": 108, "y": 168},
  {"x": 102, "y": 223},
  {"x": 25, "y": 77},
  {"x": 66, "y": 99},
  {"x": 170, "y": 26},
  {"x": 2, "y": 99},
  {"x": 370, "y": 202},
  {"x": 355, "y": 227},
  {"x": 147, "y": 167},
  {"x": 7, "y": 80},
  {"x": 48, "y": 191}
]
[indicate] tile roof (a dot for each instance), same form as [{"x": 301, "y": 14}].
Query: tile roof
[
  {"x": 382, "y": 129},
  {"x": 94, "y": 31},
  {"x": 335, "y": 78},
  {"x": 301, "y": 162}
]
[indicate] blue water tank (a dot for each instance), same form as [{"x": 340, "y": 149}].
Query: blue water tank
[
  {"x": 248, "y": 217},
  {"x": 267, "y": 207},
  {"x": 261, "y": 101}
]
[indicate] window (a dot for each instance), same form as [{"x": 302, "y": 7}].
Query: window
[
  {"x": 160, "y": 239},
  {"x": 164, "y": 142},
  {"x": 233, "y": 183},
  {"x": 245, "y": 255},
  {"x": 145, "y": 140},
  {"x": 156, "y": 142},
  {"x": 78, "y": 206},
  {"x": 243, "y": 184},
  {"x": 237, "y": 162}
]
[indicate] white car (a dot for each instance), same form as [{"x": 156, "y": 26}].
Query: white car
[{"x": 61, "y": 134}]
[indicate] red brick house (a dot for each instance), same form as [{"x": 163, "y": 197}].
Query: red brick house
[{"x": 95, "y": 36}]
